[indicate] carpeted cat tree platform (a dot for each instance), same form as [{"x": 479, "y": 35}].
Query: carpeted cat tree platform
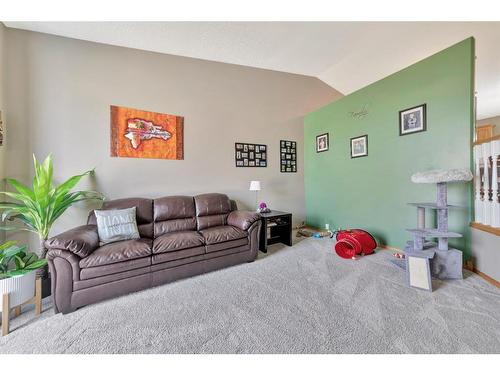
[{"x": 445, "y": 262}]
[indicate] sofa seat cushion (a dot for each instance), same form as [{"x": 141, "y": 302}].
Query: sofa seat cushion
[
  {"x": 139, "y": 266},
  {"x": 177, "y": 241},
  {"x": 170, "y": 256},
  {"x": 219, "y": 246},
  {"x": 222, "y": 233},
  {"x": 118, "y": 252}
]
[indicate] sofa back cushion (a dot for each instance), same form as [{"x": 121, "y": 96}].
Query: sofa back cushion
[
  {"x": 173, "y": 214},
  {"x": 143, "y": 211},
  {"x": 211, "y": 210}
]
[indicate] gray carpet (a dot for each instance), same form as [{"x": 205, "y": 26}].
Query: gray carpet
[{"x": 302, "y": 299}]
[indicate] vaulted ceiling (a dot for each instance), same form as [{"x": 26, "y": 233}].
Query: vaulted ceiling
[{"x": 345, "y": 55}]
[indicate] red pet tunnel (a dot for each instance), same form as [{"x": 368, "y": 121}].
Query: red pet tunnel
[{"x": 354, "y": 242}]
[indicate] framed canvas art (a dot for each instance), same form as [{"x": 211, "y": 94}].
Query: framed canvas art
[
  {"x": 359, "y": 146},
  {"x": 1, "y": 129},
  {"x": 413, "y": 120},
  {"x": 137, "y": 133},
  {"x": 322, "y": 142}
]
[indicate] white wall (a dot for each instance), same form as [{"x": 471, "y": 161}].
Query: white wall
[
  {"x": 486, "y": 252},
  {"x": 60, "y": 90}
]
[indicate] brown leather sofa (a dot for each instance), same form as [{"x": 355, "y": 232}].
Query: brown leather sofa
[{"x": 181, "y": 236}]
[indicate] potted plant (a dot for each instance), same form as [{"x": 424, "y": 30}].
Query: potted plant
[
  {"x": 17, "y": 272},
  {"x": 37, "y": 207}
]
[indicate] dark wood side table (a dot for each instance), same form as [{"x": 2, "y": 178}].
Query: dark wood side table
[{"x": 276, "y": 227}]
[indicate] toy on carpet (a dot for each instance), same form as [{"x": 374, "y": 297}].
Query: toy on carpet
[
  {"x": 353, "y": 242},
  {"x": 312, "y": 232},
  {"x": 443, "y": 262}
]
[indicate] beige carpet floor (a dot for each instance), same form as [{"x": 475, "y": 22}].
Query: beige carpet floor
[{"x": 302, "y": 299}]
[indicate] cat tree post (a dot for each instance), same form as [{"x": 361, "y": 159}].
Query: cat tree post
[
  {"x": 421, "y": 217},
  {"x": 442, "y": 214}
]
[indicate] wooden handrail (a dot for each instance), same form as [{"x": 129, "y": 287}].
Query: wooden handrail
[
  {"x": 494, "y": 138},
  {"x": 485, "y": 228}
]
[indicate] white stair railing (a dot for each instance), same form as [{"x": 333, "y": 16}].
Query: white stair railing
[
  {"x": 495, "y": 209},
  {"x": 486, "y": 183}
]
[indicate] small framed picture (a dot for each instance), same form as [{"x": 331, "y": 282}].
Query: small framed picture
[
  {"x": 359, "y": 146},
  {"x": 418, "y": 274},
  {"x": 322, "y": 142},
  {"x": 413, "y": 120}
]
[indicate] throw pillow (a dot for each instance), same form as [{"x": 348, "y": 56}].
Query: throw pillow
[{"x": 116, "y": 225}]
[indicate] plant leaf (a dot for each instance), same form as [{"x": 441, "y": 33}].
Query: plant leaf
[
  {"x": 69, "y": 184},
  {"x": 13, "y": 251},
  {"x": 7, "y": 244},
  {"x": 22, "y": 189},
  {"x": 20, "y": 263},
  {"x": 35, "y": 265}
]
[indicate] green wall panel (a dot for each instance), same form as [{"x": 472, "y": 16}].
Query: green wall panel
[{"x": 372, "y": 192}]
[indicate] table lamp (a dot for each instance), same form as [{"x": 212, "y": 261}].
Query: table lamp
[{"x": 255, "y": 186}]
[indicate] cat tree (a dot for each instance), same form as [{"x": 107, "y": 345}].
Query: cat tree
[{"x": 445, "y": 262}]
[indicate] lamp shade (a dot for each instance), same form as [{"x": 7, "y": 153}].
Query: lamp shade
[{"x": 254, "y": 185}]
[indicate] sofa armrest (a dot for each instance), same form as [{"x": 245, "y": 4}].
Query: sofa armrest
[
  {"x": 81, "y": 241},
  {"x": 64, "y": 271},
  {"x": 242, "y": 219}
]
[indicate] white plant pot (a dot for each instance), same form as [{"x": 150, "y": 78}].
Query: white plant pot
[{"x": 20, "y": 288}]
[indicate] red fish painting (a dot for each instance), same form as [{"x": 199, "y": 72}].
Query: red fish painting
[{"x": 141, "y": 134}]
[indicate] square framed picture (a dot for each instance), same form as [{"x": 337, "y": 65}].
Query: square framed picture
[
  {"x": 413, "y": 120},
  {"x": 418, "y": 274},
  {"x": 359, "y": 146},
  {"x": 322, "y": 142}
]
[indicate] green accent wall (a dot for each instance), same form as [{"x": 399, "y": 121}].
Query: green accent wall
[{"x": 372, "y": 192}]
